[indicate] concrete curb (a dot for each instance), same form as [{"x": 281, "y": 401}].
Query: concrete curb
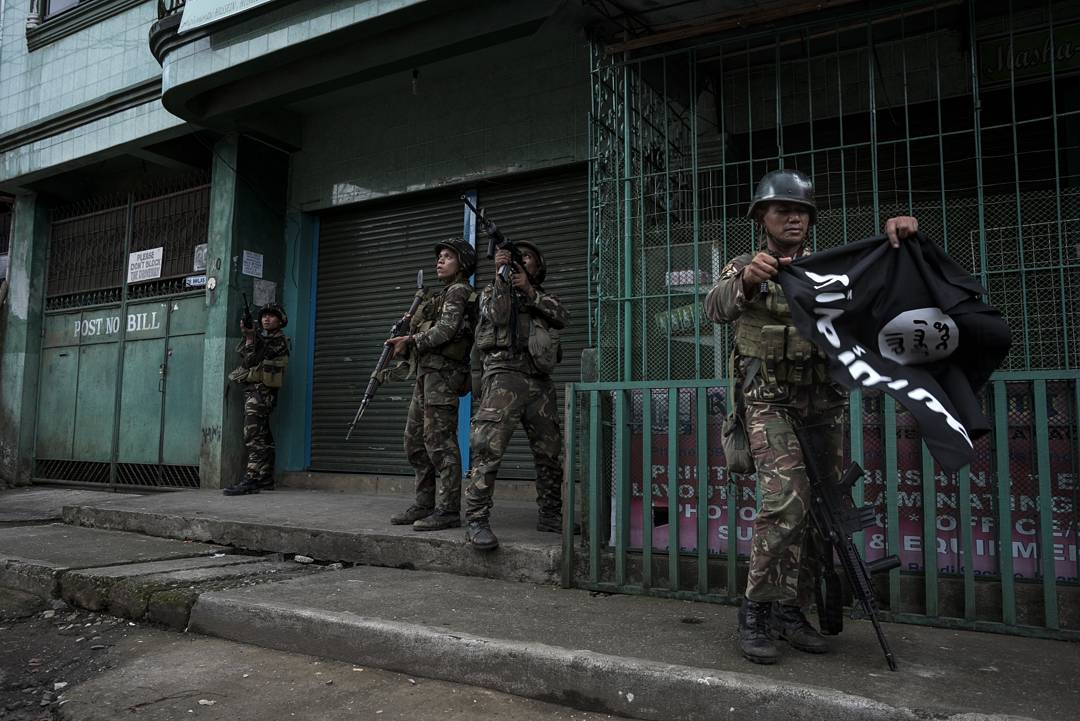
[
  {"x": 522, "y": 562},
  {"x": 580, "y": 679}
]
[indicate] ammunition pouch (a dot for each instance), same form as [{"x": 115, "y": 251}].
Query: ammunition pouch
[
  {"x": 544, "y": 345},
  {"x": 271, "y": 373},
  {"x": 786, "y": 356}
]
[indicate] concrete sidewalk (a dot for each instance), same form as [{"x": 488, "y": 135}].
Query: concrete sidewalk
[
  {"x": 632, "y": 656},
  {"x": 635, "y": 656},
  {"x": 331, "y": 526}
]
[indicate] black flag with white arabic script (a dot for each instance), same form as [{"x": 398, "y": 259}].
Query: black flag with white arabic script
[{"x": 906, "y": 321}]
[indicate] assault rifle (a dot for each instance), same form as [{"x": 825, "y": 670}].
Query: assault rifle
[
  {"x": 245, "y": 318},
  {"x": 384, "y": 358},
  {"x": 835, "y": 517},
  {"x": 496, "y": 241}
]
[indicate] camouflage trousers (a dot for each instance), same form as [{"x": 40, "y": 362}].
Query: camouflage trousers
[
  {"x": 431, "y": 442},
  {"x": 783, "y": 564},
  {"x": 258, "y": 440},
  {"x": 507, "y": 399}
]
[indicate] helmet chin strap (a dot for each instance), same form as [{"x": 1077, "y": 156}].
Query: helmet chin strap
[{"x": 764, "y": 236}]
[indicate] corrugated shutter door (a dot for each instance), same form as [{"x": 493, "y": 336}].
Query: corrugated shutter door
[
  {"x": 368, "y": 259},
  {"x": 550, "y": 210}
]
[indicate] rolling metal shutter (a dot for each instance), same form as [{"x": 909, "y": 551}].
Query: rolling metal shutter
[{"x": 368, "y": 258}]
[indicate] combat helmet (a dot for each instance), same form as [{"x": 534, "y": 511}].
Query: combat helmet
[
  {"x": 275, "y": 309},
  {"x": 465, "y": 252},
  {"x": 793, "y": 186},
  {"x": 542, "y": 272}
]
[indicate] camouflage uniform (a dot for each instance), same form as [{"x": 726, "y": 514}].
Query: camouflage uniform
[
  {"x": 516, "y": 386},
  {"x": 789, "y": 387},
  {"x": 266, "y": 360},
  {"x": 442, "y": 333}
]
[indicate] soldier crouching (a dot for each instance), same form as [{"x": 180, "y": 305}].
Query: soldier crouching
[
  {"x": 441, "y": 338},
  {"x": 264, "y": 357}
]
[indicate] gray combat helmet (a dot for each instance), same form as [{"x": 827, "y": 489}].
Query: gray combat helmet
[
  {"x": 274, "y": 309},
  {"x": 542, "y": 272},
  {"x": 466, "y": 253},
  {"x": 791, "y": 186}
]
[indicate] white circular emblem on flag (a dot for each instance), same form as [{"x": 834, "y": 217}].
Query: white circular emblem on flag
[{"x": 918, "y": 336}]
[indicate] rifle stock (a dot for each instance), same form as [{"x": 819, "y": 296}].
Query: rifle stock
[
  {"x": 384, "y": 357},
  {"x": 835, "y": 518}
]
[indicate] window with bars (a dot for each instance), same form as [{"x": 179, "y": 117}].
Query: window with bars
[{"x": 969, "y": 123}]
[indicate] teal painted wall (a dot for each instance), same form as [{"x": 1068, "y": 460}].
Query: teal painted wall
[
  {"x": 246, "y": 213},
  {"x": 21, "y": 344},
  {"x": 294, "y": 403}
]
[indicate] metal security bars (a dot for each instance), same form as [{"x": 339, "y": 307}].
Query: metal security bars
[
  {"x": 969, "y": 121},
  {"x": 991, "y": 548}
]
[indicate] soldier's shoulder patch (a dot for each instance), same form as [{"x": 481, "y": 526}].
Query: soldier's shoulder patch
[{"x": 730, "y": 270}]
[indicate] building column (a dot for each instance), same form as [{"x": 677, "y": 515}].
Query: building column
[
  {"x": 247, "y": 205},
  {"x": 20, "y": 347}
]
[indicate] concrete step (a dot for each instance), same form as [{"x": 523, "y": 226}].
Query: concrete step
[
  {"x": 509, "y": 490},
  {"x": 32, "y": 506},
  {"x": 331, "y": 526},
  {"x": 635, "y": 656}
]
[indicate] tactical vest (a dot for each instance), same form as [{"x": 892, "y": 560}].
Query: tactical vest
[
  {"x": 270, "y": 372},
  {"x": 765, "y": 330},
  {"x": 491, "y": 337},
  {"x": 427, "y": 316}
]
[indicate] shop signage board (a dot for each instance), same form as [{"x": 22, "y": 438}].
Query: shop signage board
[
  {"x": 1024, "y": 522},
  {"x": 199, "y": 13}
]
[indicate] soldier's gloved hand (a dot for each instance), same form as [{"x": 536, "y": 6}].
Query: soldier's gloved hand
[
  {"x": 761, "y": 268},
  {"x": 399, "y": 345},
  {"x": 899, "y": 228},
  {"x": 248, "y": 333}
]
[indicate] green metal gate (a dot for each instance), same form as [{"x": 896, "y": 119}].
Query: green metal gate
[
  {"x": 969, "y": 121},
  {"x": 120, "y": 397}
]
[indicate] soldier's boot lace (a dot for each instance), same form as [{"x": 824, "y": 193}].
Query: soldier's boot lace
[
  {"x": 242, "y": 488},
  {"x": 480, "y": 536},
  {"x": 754, "y": 640},
  {"x": 438, "y": 520},
  {"x": 552, "y": 523},
  {"x": 410, "y": 515},
  {"x": 790, "y": 623}
]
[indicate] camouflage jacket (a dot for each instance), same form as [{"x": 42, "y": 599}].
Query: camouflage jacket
[
  {"x": 266, "y": 358},
  {"x": 443, "y": 327},
  {"x": 507, "y": 349}
]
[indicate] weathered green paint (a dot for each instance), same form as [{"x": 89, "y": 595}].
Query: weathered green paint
[
  {"x": 94, "y": 403},
  {"x": 293, "y": 414},
  {"x": 140, "y": 402},
  {"x": 21, "y": 348},
  {"x": 56, "y": 402},
  {"x": 245, "y": 214}
]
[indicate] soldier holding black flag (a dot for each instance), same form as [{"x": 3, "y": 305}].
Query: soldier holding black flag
[{"x": 784, "y": 384}]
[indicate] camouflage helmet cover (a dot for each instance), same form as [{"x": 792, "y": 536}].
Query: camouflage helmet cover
[
  {"x": 465, "y": 252},
  {"x": 275, "y": 309},
  {"x": 792, "y": 186},
  {"x": 542, "y": 272}
]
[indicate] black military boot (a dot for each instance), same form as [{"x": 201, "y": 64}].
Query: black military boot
[
  {"x": 791, "y": 624},
  {"x": 242, "y": 488},
  {"x": 480, "y": 536},
  {"x": 437, "y": 521},
  {"x": 410, "y": 515},
  {"x": 754, "y": 640},
  {"x": 551, "y": 523}
]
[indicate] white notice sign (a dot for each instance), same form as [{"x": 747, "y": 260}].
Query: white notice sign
[
  {"x": 253, "y": 264},
  {"x": 144, "y": 265}
]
